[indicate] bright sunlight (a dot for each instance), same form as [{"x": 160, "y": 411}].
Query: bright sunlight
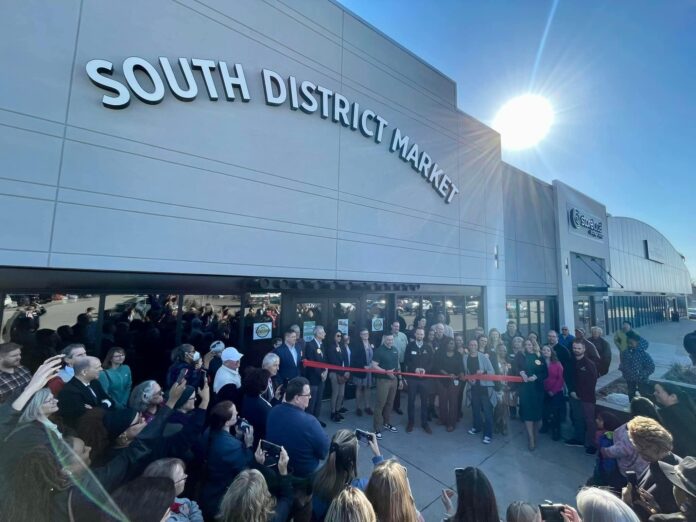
[{"x": 524, "y": 121}]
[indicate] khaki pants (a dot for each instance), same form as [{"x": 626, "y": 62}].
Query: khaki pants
[{"x": 386, "y": 391}]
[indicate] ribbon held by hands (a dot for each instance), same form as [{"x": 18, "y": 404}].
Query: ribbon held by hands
[{"x": 478, "y": 377}]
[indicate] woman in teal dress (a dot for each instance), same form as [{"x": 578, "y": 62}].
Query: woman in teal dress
[
  {"x": 533, "y": 371},
  {"x": 116, "y": 377}
]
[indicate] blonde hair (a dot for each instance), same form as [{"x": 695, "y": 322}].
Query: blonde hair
[
  {"x": 340, "y": 467},
  {"x": 390, "y": 494},
  {"x": 247, "y": 499},
  {"x": 351, "y": 505},
  {"x": 520, "y": 511},
  {"x": 652, "y": 441}
]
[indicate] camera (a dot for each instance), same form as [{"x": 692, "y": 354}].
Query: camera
[
  {"x": 551, "y": 512},
  {"x": 364, "y": 436},
  {"x": 272, "y": 452}
]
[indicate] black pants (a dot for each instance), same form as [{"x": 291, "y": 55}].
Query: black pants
[
  {"x": 419, "y": 387},
  {"x": 642, "y": 387},
  {"x": 554, "y": 412}
]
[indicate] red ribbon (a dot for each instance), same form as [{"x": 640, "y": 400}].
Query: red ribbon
[{"x": 478, "y": 377}]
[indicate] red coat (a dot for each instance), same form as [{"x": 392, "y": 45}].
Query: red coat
[{"x": 554, "y": 382}]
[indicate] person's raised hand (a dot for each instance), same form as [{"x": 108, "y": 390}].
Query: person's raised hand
[
  {"x": 45, "y": 373},
  {"x": 260, "y": 455},
  {"x": 207, "y": 358},
  {"x": 446, "y": 496},
  {"x": 283, "y": 461},
  {"x": 374, "y": 446},
  {"x": 204, "y": 394},
  {"x": 570, "y": 515},
  {"x": 249, "y": 437},
  {"x": 175, "y": 392}
]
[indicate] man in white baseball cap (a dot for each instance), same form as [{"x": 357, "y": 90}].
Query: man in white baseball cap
[{"x": 228, "y": 383}]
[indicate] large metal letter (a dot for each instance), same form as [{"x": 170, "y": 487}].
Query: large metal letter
[
  {"x": 270, "y": 78},
  {"x": 184, "y": 95},
  {"x": 94, "y": 69},
  {"x": 230, "y": 82},
  {"x": 310, "y": 104},
  {"x": 399, "y": 142},
  {"x": 132, "y": 63},
  {"x": 206, "y": 66}
]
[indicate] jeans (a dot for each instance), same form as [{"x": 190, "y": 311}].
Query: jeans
[
  {"x": 420, "y": 387},
  {"x": 317, "y": 392},
  {"x": 386, "y": 390},
  {"x": 480, "y": 402},
  {"x": 583, "y": 416}
]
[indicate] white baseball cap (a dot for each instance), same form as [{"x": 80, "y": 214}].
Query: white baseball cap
[
  {"x": 231, "y": 354},
  {"x": 217, "y": 346}
]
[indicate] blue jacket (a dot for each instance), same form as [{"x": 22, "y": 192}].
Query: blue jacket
[
  {"x": 636, "y": 364},
  {"x": 288, "y": 369},
  {"x": 227, "y": 457},
  {"x": 300, "y": 434}
]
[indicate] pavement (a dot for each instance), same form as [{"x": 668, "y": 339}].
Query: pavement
[{"x": 553, "y": 472}]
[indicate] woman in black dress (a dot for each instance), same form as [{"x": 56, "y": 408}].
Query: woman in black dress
[{"x": 533, "y": 371}]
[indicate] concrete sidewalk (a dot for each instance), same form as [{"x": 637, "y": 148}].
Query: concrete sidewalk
[{"x": 554, "y": 471}]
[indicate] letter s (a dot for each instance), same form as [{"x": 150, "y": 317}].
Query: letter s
[{"x": 94, "y": 69}]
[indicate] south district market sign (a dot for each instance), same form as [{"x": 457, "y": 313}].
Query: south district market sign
[{"x": 304, "y": 95}]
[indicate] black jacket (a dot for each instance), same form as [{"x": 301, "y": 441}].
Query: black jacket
[
  {"x": 358, "y": 357},
  {"x": 337, "y": 355},
  {"x": 680, "y": 420},
  {"x": 74, "y": 395},
  {"x": 314, "y": 352},
  {"x": 416, "y": 357}
]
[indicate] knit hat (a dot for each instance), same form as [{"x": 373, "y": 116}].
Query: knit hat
[
  {"x": 118, "y": 421},
  {"x": 188, "y": 391}
]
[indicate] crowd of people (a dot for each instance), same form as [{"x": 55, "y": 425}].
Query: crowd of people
[{"x": 208, "y": 437}]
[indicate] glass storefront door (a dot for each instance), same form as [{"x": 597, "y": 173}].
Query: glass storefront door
[{"x": 583, "y": 314}]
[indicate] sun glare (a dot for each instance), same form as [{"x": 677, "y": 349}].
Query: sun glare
[{"x": 524, "y": 121}]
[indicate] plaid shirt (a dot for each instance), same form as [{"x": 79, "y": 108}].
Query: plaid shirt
[{"x": 9, "y": 382}]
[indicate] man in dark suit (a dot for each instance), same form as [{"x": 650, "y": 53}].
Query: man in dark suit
[
  {"x": 314, "y": 351},
  {"x": 418, "y": 359},
  {"x": 83, "y": 392},
  {"x": 290, "y": 358}
]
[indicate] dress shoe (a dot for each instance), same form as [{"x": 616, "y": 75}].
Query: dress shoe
[
  {"x": 343, "y": 410},
  {"x": 426, "y": 429}
]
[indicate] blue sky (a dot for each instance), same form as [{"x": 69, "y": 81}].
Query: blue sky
[{"x": 621, "y": 76}]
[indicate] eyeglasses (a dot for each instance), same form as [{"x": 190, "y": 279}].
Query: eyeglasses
[
  {"x": 305, "y": 395},
  {"x": 182, "y": 479}
]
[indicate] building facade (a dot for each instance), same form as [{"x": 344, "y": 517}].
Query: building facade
[{"x": 286, "y": 162}]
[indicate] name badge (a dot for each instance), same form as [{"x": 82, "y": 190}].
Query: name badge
[
  {"x": 414, "y": 353},
  {"x": 319, "y": 351}
]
